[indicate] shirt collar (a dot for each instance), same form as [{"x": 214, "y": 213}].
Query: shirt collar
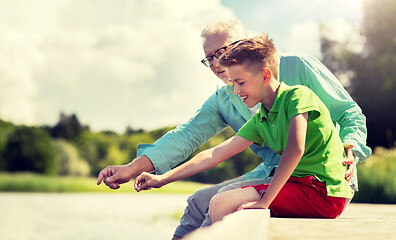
[{"x": 277, "y": 103}]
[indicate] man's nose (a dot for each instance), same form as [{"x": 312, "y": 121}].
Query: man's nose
[{"x": 215, "y": 62}]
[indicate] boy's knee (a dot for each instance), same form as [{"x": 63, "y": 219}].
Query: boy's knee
[{"x": 216, "y": 205}]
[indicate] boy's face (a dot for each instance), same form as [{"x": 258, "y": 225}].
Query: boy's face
[{"x": 249, "y": 86}]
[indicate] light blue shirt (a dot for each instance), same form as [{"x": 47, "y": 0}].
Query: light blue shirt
[{"x": 224, "y": 108}]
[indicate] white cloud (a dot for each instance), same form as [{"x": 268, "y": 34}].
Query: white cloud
[
  {"x": 113, "y": 63},
  {"x": 304, "y": 38}
]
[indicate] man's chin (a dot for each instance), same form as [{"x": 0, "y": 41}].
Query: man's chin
[{"x": 224, "y": 77}]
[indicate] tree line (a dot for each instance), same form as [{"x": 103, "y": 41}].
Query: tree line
[{"x": 71, "y": 148}]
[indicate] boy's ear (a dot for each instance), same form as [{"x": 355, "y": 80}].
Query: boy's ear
[{"x": 267, "y": 74}]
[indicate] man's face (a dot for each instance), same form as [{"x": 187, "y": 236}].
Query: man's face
[{"x": 211, "y": 45}]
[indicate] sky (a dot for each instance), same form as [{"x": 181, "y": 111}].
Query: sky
[{"x": 132, "y": 62}]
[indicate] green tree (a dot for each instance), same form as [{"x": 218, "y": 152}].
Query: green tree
[
  {"x": 68, "y": 127},
  {"x": 30, "y": 149},
  {"x": 372, "y": 70},
  {"x": 100, "y": 150},
  {"x": 5, "y": 130},
  {"x": 69, "y": 160}
]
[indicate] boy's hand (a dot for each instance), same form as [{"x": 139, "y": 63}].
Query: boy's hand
[
  {"x": 349, "y": 161},
  {"x": 251, "y": 205},
  {"x": 146, "y": 181}
]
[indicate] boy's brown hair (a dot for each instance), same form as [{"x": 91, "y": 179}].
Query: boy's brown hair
[{"x": 254, "y": 54}]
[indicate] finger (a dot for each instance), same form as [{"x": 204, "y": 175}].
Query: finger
[
  {"x": 348, "y": 146},
  {"x": 143, "y": 186},
  {"x": 100, "y": 178},
  {"x": 240, "y": 208},
  {"x": 347, "y": 161},
  {"x": 137, "y": 182},
  {"x": 140, "y": 182},
  {"x": 348, "y": 175},
  {"x": 104, "y": 173}
]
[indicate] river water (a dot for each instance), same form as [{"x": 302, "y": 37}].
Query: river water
[{"x": 41, "y": 216}]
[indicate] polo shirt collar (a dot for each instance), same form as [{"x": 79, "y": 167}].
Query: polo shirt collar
[{"x": 275, "y": 108}]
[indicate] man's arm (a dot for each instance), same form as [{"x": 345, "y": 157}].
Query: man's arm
[{"x": 203, "y": 161}]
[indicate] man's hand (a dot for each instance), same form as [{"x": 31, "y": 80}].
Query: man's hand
[
  {"x": 350, "y": 161},
  {"x": 146, "y": 181},
  {"x": 113, "y": 176}
]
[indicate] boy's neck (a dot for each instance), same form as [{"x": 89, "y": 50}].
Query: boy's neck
[{"x": 273, "y": 90}]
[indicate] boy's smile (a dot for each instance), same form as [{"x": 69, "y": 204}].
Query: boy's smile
[
  {"x": 247, "y": 85},
  {"x": 252, "y": 87}
]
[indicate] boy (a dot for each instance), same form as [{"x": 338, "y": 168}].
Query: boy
[{"x": 309, "y": 181}]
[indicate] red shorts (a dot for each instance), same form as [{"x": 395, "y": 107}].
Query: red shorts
[{"x": 304, "y": 197}]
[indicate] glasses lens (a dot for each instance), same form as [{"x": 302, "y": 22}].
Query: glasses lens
[
  {"x": 205, "y": 62},
  {"x": 220, "y": 52}
]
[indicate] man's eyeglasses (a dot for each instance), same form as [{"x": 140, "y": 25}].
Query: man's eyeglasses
[{"x": 208, "y": 61}]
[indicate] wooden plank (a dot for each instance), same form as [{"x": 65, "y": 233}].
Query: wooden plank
[{"x": 245, "y": 224}]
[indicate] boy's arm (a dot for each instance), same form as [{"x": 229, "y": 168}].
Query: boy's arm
[
  {"x": 204, "y": 160},
  {"x": 290, "y": 158}
]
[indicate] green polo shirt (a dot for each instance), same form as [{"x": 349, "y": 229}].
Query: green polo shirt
[{"x": 324, "y": 151}]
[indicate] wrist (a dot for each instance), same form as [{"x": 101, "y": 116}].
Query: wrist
[
  {"x": 164, "y": 179},
  {"x": 262, "y": 204},
  {"x": 139, "y": 165}
]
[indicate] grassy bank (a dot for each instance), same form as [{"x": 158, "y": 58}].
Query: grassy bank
[{"x": 28, "y": 182}]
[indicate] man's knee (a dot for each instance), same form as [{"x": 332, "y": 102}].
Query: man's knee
[
  {"x": 200, "y": 199},
  {"x": 201, "y": 195}
]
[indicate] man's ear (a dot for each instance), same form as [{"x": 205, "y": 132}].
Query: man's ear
[{"x": 266, "y": 74}]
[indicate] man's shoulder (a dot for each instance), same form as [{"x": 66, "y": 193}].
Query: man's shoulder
[{"x": 293, "y": 56}]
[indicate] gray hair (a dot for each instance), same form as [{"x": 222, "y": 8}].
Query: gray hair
[{"x": 233, "y": 28}]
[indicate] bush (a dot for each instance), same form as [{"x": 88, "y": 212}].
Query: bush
[
  {"x": 30, "y": 149},
  {"x": 69, "y": 161},
  {"x": 377, "y": 182}
]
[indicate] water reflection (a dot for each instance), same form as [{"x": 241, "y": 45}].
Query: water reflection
[{"x": 89, "y": 216}]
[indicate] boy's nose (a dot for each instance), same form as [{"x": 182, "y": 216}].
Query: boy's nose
[{"x": 236, "y": 90}]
